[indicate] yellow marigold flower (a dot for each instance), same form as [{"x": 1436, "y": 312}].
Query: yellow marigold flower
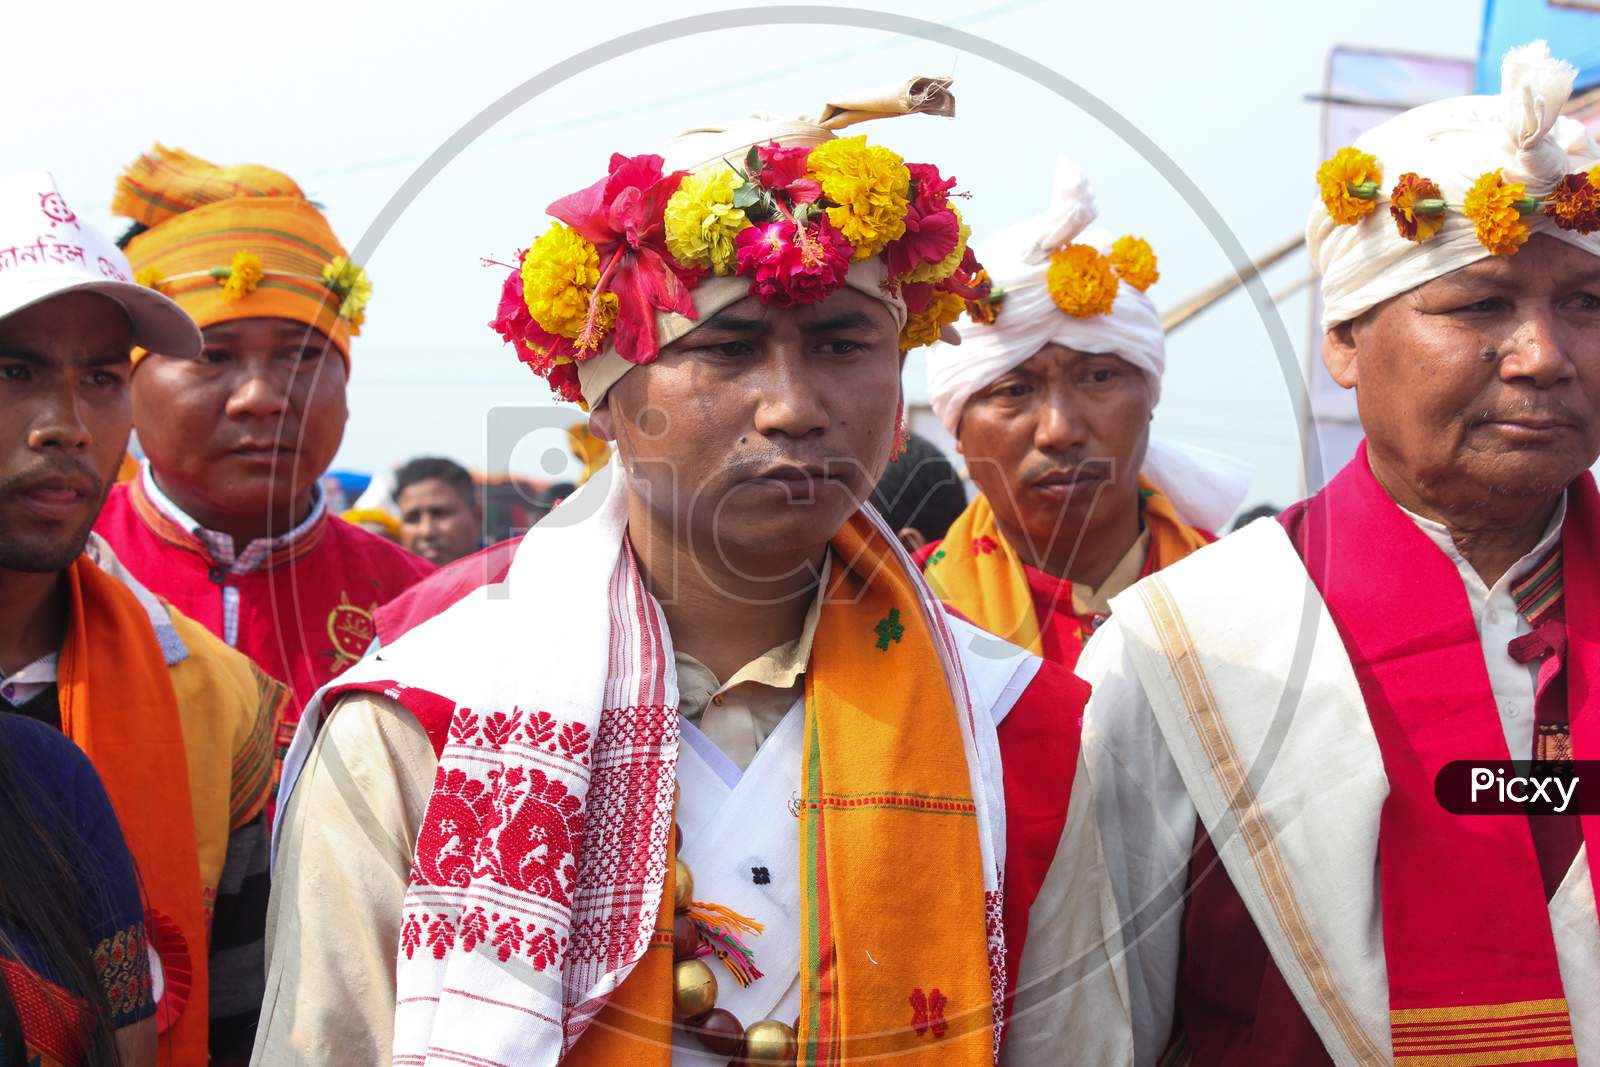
[
  {"x": 923, "y": 327},
  {"x": 1135, "y": 262},
  {"x": 1081, "y": 281},
  {"x": 938, "y": 272},
  {"x": 701, "y": 221},
  {"x": 351, "y": 284},
  {"x": 559, "y": 273},
  {"x": 869, "y": 183},
  {"x": 244, "y": 274},
  {"x": 1340, "y": 178},
  {"x": 1491, "y": 204},
  {"x": 150, "y": 278},
  {"x": 1403, "y": 207}
]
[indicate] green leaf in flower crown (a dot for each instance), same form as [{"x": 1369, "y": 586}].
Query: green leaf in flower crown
[
  {"x": 802, "y": 213},
  {"x": 747, "y": 195},
  {"x": 752, "y": 162}
]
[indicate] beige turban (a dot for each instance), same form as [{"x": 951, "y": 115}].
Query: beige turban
[
  {"x": 705, "y": 145},
  {"x": 1453, "y": 142}
]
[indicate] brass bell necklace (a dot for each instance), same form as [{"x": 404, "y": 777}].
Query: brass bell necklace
[{"x": 699, "y": 930}]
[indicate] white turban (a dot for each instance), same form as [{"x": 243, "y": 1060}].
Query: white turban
[
  {"x": 1452, "y": 143},
  {"x": 703, "y": 145},
  {"x": 1206, "y": 488}
]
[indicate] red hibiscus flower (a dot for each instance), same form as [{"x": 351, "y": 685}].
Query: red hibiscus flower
[
  {"x": 789, "y": 265},
  {"x": 932, "y": 228},
  {"x": 621, "y": 215},
  {"x": 783, "y": 171},
  {"x": 536, "y": 347}
]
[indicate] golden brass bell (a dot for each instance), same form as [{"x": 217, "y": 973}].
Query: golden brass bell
[{"x": 694, "y": 989}]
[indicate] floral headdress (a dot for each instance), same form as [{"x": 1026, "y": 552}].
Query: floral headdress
[
  {"x": 791, "y": 219},
  {"x": 347, "y": 284},
  {"x": 1351, "y": 185},
  {"x": 1463, "y": 179},
  {"x": 1083, "y": 280}
]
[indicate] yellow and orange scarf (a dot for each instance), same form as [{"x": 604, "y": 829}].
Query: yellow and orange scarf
[{"x": 886, "y": 788}]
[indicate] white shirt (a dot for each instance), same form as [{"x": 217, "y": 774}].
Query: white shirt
[
  {"x": 19, "y": 687},
  {"x": 1499, "y": 623}
]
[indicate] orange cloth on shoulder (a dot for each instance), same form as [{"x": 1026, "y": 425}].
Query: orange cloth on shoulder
[
  {"x": 118, "y": 705},
  {"x": 201, "y": 215}
]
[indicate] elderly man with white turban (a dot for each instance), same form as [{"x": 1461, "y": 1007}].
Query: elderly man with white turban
[
  {"x": 710, "y": 776},
  {"x": 1049, "y": 396},
  {"x": 1283, "y": 846}
]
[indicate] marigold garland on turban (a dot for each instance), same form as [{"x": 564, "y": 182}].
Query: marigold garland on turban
[
  {"x": 791, "y": 219},
  {"x": 924, "y": 326},
  {"x": 702, "y": 221},
  {"x": 1135, "y": 262},
  {"x": 1574, "y": 204},
  {"x": 1082, "y": 281},
  {"x": 559, "y": 274},
  {"x": 1492, "y": 205},
  {"x": 351, "y": 285},
  {"x": 868, "y": 183},
  {"x": 240, "y": 277},
  {"x": 150, "y": 278},
  {"x": 1497, "y": 208},
  {"x": 1349, "y": 184},
  {"x": 1410, "y": 193}
]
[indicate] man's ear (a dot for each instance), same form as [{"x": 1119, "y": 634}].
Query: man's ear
[
  {"x": 600, "y": 423},
  {"x": 1339, "y": 354}
]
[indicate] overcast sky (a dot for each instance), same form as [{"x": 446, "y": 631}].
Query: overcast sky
[{"x": 350, "y": 99}]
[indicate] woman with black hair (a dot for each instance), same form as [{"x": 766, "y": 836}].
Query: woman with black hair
[{"x": 76, "y": 986}]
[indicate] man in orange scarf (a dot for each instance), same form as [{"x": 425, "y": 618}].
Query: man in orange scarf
[
  {"x": 226, "y": 519},
  {"x": 711, "y": 775},
  {"x": 178, "y": 726},
  {"x": 1050, "y": 402}
]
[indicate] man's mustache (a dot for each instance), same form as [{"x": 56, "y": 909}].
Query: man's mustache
[
  {"x": 1552, "y": 410},
  {"x": 59, "y": 467},
  {"x": 832, "y": 464},
  {"x": 1076, "y": 463}
]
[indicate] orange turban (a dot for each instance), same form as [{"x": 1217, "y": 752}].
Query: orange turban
[{"x": 238, "y": 242}]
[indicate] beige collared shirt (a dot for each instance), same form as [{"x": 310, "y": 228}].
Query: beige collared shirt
[
  {"x": 1096, "y": 600},
  {"x": 739, "y": 714},
  {"x": 345, "y": 852}
]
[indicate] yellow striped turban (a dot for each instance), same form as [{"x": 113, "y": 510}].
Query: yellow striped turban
[{"x": 238, "y": 242}]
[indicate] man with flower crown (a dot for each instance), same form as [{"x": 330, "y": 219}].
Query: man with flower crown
[
  {"x": 710, "y": 776},
  {"x": 1272, "y": 851},
  {"x": 226, "y": 518}
]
